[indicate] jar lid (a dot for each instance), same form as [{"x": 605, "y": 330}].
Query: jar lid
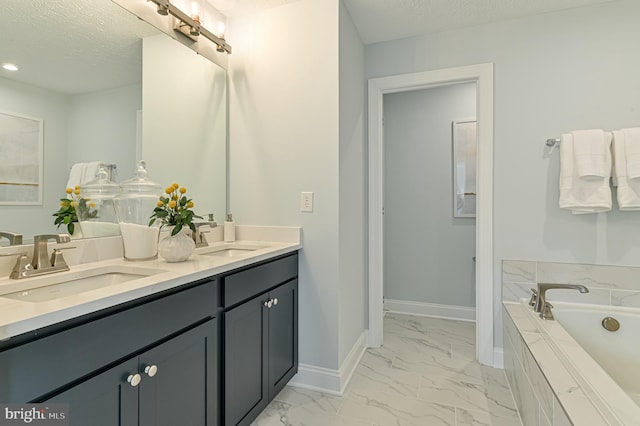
[
  {"x": 101, "y": 186},
  {"x": 140, "y": 183}
]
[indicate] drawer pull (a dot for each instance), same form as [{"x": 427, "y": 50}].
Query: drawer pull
[
  {"x": 275, "y": 301},
  {"x": 268, "y": 303},
  {"x": 151, "y": 370},
  {"x": 134, "y": 379}
]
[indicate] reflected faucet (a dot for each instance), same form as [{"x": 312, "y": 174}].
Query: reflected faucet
[
  {"x": 41, "y": 263},
  {"x": 542, "y": 290},
  {"x": 14, "y": 239}
]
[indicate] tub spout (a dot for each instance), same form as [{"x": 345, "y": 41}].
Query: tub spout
[{"x": 542, "y": 290}]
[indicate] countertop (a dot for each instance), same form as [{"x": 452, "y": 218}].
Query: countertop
[{"x": 18, "y": 316}]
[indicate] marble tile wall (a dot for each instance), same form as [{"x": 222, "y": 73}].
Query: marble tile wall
[{"x": 608, "y": 285}]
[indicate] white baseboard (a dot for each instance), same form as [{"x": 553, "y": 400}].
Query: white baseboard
[
  {"x": 326, "y": 380},
  {"x": 498, "y": 358},
  {"x": 460, "y": 313}
]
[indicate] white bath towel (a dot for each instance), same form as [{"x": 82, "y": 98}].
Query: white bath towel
[
  {"x": 632, "y": 152},
  {"x": 580, "y": 195},
  {"x": 76, "y": 174},
  {"x": 628, "y": 190},
  {"x": 591, "y": 153},
  {"x": 82, "y": 173},
  {"x": 90, "y": 171}
]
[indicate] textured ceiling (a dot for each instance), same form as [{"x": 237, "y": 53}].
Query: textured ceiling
[
  {"x": 77, "y": 46},
  {"x": 383, "y": 20},
  {"x": 71, "y": 46}
]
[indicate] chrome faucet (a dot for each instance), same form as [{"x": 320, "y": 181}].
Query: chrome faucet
[
  {"x": 198, "y": 236},
  {"x": 14, "y": 239},
  {"x": 541, "y": 302},
  {"x": 41, "y": 263}
]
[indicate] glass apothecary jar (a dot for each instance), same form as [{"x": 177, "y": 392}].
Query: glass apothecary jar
[
  {"x": 96, "y": 209},
  {"x": 134, "y": 206}
]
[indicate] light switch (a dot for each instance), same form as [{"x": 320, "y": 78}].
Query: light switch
[{"x": 306, "y": 201}]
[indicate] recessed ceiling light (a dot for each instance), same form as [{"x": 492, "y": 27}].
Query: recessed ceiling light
[{"x": 10, "y": 67}]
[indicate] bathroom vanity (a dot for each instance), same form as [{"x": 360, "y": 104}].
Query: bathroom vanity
[{"x": 213, "y": 347}]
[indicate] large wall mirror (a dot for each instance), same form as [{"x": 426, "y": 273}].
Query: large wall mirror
[{"x": 109, "y": 87}]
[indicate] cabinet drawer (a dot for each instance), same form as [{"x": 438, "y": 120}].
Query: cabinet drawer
[
  {"x": 39, "y": 367},
  {"x": 258, "y": 279}
]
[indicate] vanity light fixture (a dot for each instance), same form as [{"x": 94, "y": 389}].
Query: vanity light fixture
[
  {"x": 10, "y": 67},
  {"x": 191, "y": 25}
]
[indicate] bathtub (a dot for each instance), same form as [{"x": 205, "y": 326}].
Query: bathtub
[
  {"x": 617, "y": 352},
  {"x": 571, "y": 367}
]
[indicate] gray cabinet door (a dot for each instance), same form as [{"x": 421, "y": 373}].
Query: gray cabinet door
[
  {"x": 245, "y": 362},
  {"x": 105, "y": 400},
  {"x": 182, "y": 389},
  {"x": 283, "y": 336}
]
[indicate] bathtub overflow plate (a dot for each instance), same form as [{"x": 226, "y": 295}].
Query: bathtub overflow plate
[{"x": 611, "y": 324}]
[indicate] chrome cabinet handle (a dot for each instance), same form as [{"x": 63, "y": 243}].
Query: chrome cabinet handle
[
  {"x": 134, "y": 379},
  {"x": 268, "y": 303},
  {"x": 275, "y": 301},
  {"x": 151, "y": 370}
]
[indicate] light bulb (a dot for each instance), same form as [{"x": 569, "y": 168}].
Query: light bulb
[
  {"x": 221, "y": 28},
  {"x": 195, "y": 11}
]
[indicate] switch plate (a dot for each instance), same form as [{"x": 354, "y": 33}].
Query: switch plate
[{"x": 306, "y": 201}]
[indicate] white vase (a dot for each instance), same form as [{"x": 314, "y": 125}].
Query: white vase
[
  {"x": 177, "y": 248},
  {"x": 77, "y": 231}
]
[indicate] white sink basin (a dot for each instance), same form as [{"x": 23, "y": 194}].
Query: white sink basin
[
  {"x": 44, "y": 289},
  {"x": 231, "y": 250}
]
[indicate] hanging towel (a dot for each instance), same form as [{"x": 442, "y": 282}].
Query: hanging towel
[
  {"x": 592, "y": 155},
  {"x": 90, "y": 171},
  {"x": 82, "y": 173},
  {"x": 580, "y": 195},
  {"x": 628, "y": 190},
  {"x": 76, "y": 174},
  {"x": 632, "y": 152}
]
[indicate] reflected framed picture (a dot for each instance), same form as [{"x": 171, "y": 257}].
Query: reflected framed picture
[
  {"x": 21, "y": 151},
  {"x": 464, "y": 142}
]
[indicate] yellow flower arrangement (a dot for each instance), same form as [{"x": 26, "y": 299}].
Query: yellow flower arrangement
[
  {"x": 72, "y": 207},
  {"x": 174, "y": 209}
]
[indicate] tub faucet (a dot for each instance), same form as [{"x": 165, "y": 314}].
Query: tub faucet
[{"x": 542, "y": 290}]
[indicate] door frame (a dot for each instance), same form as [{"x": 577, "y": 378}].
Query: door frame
[{"x": 482, "y": 75}]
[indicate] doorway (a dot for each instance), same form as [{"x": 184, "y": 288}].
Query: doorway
[
  {"x": 429, "y": 222},
  {"x": 482, "y": 76}
]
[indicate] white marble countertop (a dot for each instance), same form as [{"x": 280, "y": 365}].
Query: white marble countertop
[{"x": 18, "y": 316}]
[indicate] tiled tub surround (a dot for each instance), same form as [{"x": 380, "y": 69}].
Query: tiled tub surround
[
  {"x": 553, "y": 379},
  {"x": 608, "y": 285},
  {"x": 18, "y": 317}
]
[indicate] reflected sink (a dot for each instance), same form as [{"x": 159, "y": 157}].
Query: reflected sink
[
  {"x": 231, "y": 250},
  {"x": 55, "y": 287}
]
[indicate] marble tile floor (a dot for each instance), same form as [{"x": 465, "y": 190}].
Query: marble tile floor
[{"x": 424, "y": 375}]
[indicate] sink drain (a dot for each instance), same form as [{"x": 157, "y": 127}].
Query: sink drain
[{"x": 611, "y": 324}]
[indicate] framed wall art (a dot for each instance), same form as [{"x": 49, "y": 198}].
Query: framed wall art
[{"x": 21, "y": 157}]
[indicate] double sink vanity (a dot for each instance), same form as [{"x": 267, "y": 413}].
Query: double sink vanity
[{"x": 209, "y": 341}]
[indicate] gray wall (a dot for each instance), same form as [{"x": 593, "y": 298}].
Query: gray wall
[
  {"x": 102, "y": 127},
  {"x": 352, "y": 178},
  {"x": 427, "y": 252},
  {"x": 53, "y": 108},
  {"x": 556, "y": 72},
  {"x": 284, "y": 133}
]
